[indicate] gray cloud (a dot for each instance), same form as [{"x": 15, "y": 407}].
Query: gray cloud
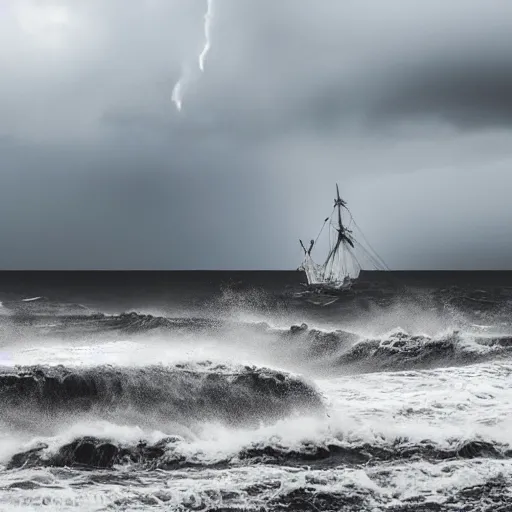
[{"x": 407, "y": 106}]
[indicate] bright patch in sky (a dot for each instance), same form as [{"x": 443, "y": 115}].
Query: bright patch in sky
[{"x": 45, "y": 22}]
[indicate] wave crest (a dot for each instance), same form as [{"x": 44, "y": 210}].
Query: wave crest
[
  {"x": 172, "y": 452},
  {"x": 234, "y": 395},
  {"x": 398, "y": 350}
]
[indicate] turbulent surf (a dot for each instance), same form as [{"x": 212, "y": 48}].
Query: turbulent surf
[{"x": 254, "y": 403}]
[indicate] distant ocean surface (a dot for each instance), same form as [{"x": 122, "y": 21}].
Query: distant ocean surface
[{"x": 237, "y": 391}]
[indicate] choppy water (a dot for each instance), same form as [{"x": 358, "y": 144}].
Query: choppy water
[{"x": 242, "y": 411}]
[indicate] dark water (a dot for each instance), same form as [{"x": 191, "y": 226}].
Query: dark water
[{"x": 238, "y": 391}]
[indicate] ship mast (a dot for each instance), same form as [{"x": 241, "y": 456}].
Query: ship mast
[{"x": 344, "y": 234}]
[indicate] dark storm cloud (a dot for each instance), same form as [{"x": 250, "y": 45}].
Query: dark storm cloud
[
  {"x": 461, "y": 92},
  {"x": 407, "y": 105},
  {"x": 127, "y": 209}
]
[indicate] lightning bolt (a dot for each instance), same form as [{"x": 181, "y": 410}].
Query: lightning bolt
[
  {"x": 177, "y": 92},
  {"x": 208, "y": 18},
  {"x": 176, "y": 96}
]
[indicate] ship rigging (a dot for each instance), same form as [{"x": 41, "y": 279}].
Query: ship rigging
[{"x": 347, "y": 253}]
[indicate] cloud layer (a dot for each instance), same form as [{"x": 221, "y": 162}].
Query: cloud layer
[{"x": 407, "y": 106}]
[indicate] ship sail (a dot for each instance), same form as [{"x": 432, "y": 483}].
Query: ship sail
[{"x": 346, "y": 254}]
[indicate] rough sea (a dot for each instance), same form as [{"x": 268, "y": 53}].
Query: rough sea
[{"x": 254, "y": 400}]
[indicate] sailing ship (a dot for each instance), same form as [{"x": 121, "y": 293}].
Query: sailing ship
[{"x": 346, "y": 255}]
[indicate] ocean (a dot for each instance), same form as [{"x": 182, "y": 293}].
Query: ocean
[{"x": 237, "y": 391}]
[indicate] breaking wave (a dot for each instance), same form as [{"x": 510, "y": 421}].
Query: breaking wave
[
  {"x": 176, "y": 452},
  {"x": 400, "y": 351},
  {"x": 300, "y": 347},
  {"x": 255, "y": 436},
  {"x": 183, "y": 393}
]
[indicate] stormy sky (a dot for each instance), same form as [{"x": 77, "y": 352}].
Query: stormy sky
[{"x": 407, "y": 105}]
